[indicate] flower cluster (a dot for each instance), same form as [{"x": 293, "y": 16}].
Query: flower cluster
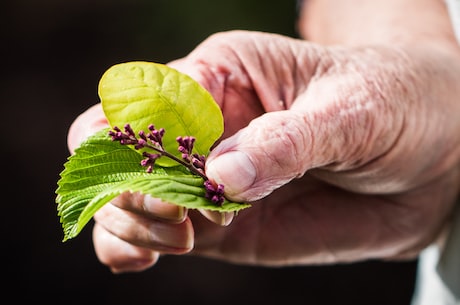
[
  {"x": 154, "y": 140},
  {"x": 186, "y": 148},
  {"x": 214, "y": 192}
]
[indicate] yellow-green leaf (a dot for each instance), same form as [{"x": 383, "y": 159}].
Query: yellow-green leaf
[{"x": 142, "y": 93}]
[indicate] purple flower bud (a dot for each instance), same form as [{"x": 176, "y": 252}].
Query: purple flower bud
[
  {"x": 129, "y": 131},
  {"x": 220, "y": 189},
  {"x": 214, "y": 192},
  {"x": 142, "y": 135},
  {"x": 149, "y": 160},
  {"x": 128, "y": 141},
  {"x": 115, "y": 134},
  {"x": 140, "y": 144},
  {"x": 187, "y": 144},
  {"x": 208, "y": 185},
  {"x": 182, "y": 149},
  {"x": 197, "y": 163},
  {"x": 180, "y": 140},
  {"x": 189, "y": 141},
  {"x": 151, "y": 156},
  {"x": 156, "y": 136},
  {"x": 218, "y": 200}
]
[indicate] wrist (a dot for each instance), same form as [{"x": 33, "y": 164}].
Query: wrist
[{"x": 357, "y": 22}]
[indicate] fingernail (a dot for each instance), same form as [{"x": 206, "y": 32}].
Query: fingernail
[
  {"x": 169, "y": 238},
  {"x": 234, "y": 170},
  {"x": 227, "y": 218},
  {"x": 164, "y": 210},
  {"x": 220, "y": 218},
  {"x": 133, "y": 266}
]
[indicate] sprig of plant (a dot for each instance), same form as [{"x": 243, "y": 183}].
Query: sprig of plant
[
  {"x": 153, "y": 140},
  {"x": 101, "y": 169}
]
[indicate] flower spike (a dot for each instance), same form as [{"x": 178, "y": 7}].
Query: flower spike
[{"x": 153, "y": 140}]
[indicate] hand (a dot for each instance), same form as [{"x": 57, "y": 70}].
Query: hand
[{"x": 346, "y": 153}]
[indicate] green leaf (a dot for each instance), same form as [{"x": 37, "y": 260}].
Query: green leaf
[
  {"x": 102, "y": 169},
  {"x": 143, "y": 93}
]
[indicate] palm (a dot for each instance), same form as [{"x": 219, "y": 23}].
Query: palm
[{"x": 310, "y": 221}]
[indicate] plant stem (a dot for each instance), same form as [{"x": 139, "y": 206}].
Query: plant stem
[{"x": 188, "y": 165}]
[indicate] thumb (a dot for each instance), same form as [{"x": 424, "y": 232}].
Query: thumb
[
  {"x": 87, "y": 123},
  {"x": 271, "y": 151}
]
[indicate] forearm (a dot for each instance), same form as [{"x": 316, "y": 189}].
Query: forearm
[{"x": 355, "y": 22}]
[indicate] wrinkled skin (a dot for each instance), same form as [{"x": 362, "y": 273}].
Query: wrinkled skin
[{"x": 347, "y": 154}]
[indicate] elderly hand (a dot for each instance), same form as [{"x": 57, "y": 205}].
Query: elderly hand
[{"x": 347, "y": 153}]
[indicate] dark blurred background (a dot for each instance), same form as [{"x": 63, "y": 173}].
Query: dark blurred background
[{"x": 53, "y": 54}]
